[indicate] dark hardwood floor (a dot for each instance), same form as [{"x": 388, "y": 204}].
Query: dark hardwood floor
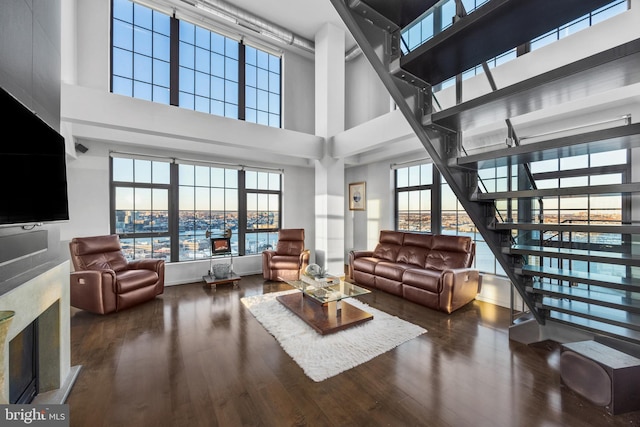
[{"x": 197, "y": 357}]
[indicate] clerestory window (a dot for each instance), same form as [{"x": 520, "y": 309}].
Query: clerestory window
[{"x": 163, "y": 59}]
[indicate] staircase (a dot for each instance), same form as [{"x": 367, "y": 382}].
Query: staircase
[{"x": 548, "y": 265}]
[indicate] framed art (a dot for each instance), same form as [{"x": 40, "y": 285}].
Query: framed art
[{"x": 357, "y": 196}]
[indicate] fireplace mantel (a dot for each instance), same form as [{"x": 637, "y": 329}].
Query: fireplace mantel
[{"x": 45, "y": 296}]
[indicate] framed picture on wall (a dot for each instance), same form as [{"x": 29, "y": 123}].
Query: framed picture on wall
[{"x": 357, "y": 196}]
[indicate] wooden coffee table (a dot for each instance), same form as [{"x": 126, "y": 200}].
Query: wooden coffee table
[{"x": 323, "y": 308}]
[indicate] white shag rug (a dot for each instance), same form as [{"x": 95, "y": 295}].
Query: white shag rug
[{"x": 323, "y": 356}]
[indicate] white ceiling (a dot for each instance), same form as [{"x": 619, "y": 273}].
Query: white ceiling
[{"x": 302, "y": 17}]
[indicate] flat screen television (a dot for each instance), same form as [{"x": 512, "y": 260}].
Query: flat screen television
[{"x": 33, "y": 174}]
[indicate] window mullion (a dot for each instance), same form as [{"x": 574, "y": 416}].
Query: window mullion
[
  {"x": 242, "y": 212},
  {"x": 241, "y": 81},
  {"x": 174, "y": 214},
  {"x": 174, "y": 63}
]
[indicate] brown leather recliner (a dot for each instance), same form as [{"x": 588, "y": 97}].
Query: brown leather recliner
[
  {"x": 103, "y": 281},
  {"x": 289, "y": 259}
]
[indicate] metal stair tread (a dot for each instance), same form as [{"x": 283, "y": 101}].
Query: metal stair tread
[
  {"x": 566, "y": 191},
  {"x": 596, "y": 326},
  {"x": 579, "y": 254},
  {"x": 601, "y": 71},
  {"x": 567, "y": 227},
  {"x": 599, "y": 313},
  {"x": 602, "y": 140},
  {"x": 604, "y": 280},
  {"x": 400, "y": 12},
  {"x": 619, "y": 302}
]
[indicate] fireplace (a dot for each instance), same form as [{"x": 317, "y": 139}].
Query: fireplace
[
  {"x": 23, "y": 366},
  {"x": 43, "y": 296}
]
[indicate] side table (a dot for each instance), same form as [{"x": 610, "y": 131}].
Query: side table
[{"x": 212, "y": 281}]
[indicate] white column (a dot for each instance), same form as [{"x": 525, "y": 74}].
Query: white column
[
  {"x": 329, "y": 172},
  {"x": 68, "y": 34}
]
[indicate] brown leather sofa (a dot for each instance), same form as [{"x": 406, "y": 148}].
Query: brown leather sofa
[
  {"x": 289, "y": 259},
  {"x": 431, "y": 270},
  {"x": 103, "y": 281}
]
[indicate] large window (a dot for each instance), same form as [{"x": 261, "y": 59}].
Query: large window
[
  {"x": 413, "y": 198},
  {"x": 170, "y": 208},
  {"x": 586, "y": 170},
  {"x": 159, "y": 58},
  {"x": 209, "y": 71},
  {"x": 426, "y": 203},
  {"x": 208, "y": 205},
  {"x": 262, "y": 87},
  {"x": 140, "y": 207},
  {"x": 456, "y": 221},
  {"x": 140, "y": 52},
  {"x": 263, "y": 210}
]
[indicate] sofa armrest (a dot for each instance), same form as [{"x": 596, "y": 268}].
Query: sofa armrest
[
  {"x": 359, "y": 253},
  {"x": 304, "y": 260},
  {"x": 267, "y": 255},
  {"x": 459, "y": 287},
  {"x": 93, "y": 290},
  {"x": 355, "y": 254},
  {"x": 153, "y": 264}
]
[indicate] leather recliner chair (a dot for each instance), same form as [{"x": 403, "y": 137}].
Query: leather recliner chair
[
  {"x": 103, "y": 281},
  {"x": 289, "y": 259}
]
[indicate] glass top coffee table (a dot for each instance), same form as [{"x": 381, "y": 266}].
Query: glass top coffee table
[{"x": 321, "y": 304}]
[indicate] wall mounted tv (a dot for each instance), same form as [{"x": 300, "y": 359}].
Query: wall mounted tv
[{"x": 33, "y": 174}]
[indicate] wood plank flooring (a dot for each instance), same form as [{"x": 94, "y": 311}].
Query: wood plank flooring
[{"x": 197, "y": 357}]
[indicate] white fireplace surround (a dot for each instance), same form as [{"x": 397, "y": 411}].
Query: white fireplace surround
[{"x": 46, "y": 297}]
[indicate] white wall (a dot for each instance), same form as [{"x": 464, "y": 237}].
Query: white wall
[
  {"x": 362, "y": 228},
  {"x": 365, "y": 96},
  {"x": 298, "y": 95}
]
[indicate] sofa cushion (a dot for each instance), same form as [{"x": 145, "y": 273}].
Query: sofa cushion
[
  {"x": 289, "y": 247},
  {"x": 285, "y": 262},
  {"x": 130, "y": 280},
  {"x": 392, "y": 237},
  {"x": 428, "y": 280},
  {"x": 365, "y": 264},
  {"x": 449, "y": 252},
  {"x": 391, "y": 270},
  {"x": 413, "y": 255},
  {"x": 448, "y": 243},
  {"x": 387, "y": 251},
  {"x": 424, "y": 241}
]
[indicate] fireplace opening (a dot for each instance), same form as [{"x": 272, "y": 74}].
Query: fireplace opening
[{"x": 23, "y": 366}]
